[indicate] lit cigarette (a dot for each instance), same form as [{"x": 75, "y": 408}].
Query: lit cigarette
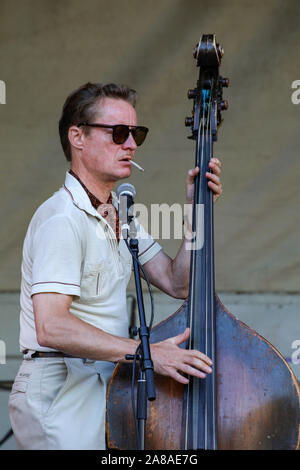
[{"x": 138, "y": 166}]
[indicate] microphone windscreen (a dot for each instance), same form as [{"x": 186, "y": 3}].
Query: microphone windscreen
[{"x": 126, "y": 188}]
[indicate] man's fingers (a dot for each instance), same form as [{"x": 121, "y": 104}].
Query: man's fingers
[
  {"x": 191, "y": 174},
  {"x": 169, "y": 359},
  {"x": 190, "y": 355},
  {"x": 214, "y": 181},
  {"x": 214, "y": 178},
  {"x": 203, "y": 364},
  {"x": 216, "y": 188},
  {"x": 187, "y": 369},
  {"x": 174, "y": 374},
  {"x": 181, "y": 337},
  {"x": 197, "y": 358},
  {"x": 194, "y": 171},
  {"x": 215, "y": 165},
  {"x": 216, "y": 161}
]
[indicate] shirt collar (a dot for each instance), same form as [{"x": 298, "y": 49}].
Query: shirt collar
[
  {"x": 81, "y": 198},
  {"x": 94, "y": 200}
]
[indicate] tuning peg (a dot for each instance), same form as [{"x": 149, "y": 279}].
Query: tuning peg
[
  {"x": 189, "y": 121},
  {"x": 224, "y": 82},
  {"x": 223, "y": 105},
  {"x": 195, "y": 52},
  {"x": 192, "y": 93},
  {"x": 220, "y": 122},
  {"x": 220, "y": 50}
]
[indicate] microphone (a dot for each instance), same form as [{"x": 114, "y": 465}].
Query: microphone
[{"x": 126, "y": 193}]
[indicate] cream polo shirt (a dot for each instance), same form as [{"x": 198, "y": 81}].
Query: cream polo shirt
[{"x": 70, "y": 249}]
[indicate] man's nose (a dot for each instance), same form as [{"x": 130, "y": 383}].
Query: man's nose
[{"x": 129, "y": 143}]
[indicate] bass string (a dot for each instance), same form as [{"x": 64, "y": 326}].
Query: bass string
[
  {"x": 214, "y": 373},
  {"x": 191, "y": 305},
  {"x": 206, "y": 153},
  {"x": 208, "y": 277},
  {"x": 210, "y": 390},
  {"x": 206, "y": 319}
]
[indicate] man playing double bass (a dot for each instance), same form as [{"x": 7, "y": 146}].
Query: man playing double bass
[{"x": 75, "y": 270}]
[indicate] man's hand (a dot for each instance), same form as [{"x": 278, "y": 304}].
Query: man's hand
[
  {"x": 214, "y": 182},
  {"x": 173, "y": 361}
]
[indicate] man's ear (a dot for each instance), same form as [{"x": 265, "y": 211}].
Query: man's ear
[{"x": 76, "y": 137}]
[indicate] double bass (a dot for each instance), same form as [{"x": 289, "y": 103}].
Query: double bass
[{"x": 251, "y": 399}]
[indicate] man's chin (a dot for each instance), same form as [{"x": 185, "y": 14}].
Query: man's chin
[{"x": 126, "y": 173}]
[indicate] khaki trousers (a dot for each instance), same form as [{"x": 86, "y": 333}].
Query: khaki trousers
[{"x": 59, "y": 403}]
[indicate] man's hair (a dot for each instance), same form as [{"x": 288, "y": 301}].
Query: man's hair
[{"x": 80, "y": 107}]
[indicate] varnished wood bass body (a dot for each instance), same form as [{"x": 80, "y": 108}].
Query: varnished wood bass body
[{"x": 258, "y": 396}]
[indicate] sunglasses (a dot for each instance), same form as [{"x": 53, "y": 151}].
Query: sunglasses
[{"x": 121, "y": 132}]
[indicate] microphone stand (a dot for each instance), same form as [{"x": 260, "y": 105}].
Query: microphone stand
[{"x": 145, "y": 385}]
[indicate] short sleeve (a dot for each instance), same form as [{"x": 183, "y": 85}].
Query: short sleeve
[
  {"x": 148, "y": 247},
  {"x": 57, "y": 257}
]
